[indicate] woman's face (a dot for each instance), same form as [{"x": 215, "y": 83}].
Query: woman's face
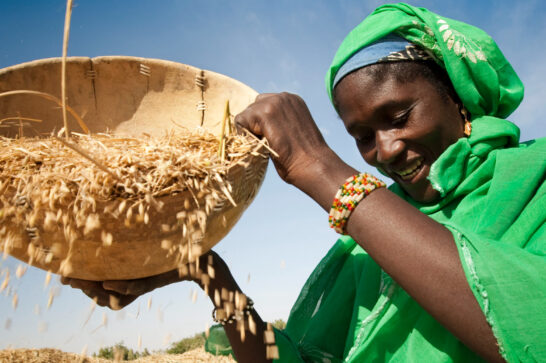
[{"x": 401, "y": 128}]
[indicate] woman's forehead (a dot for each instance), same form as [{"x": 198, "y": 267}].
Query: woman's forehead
[
  {"x": 364, "y": 89},
  {"x": 361, "y": 95}
]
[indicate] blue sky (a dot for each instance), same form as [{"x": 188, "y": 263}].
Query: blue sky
[{"x": 272, "y": 46}]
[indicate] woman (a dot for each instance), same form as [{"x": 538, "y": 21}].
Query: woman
[{"x": 445, "y": 265}]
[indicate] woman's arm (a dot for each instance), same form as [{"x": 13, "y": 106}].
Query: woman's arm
[
  {"x": 118, "y": 294},
  {"x": 252, "y": 348},
  {"x": 416, "y": 251}
]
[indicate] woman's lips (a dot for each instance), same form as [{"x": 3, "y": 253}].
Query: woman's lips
[{"x": 410, "y": 171}]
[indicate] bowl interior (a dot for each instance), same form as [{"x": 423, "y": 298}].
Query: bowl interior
[{"x": 125, "y": 95}]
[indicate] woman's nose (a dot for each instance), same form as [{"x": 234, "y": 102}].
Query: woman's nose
[{"x": 388, "y": 147}]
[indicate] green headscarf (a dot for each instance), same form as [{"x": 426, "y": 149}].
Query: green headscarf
[{"x": 484, "y": 80}]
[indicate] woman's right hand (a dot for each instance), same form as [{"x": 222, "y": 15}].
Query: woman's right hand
[{"x": 285, "y": 121}]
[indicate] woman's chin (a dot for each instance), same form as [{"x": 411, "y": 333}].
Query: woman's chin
[{"x": 418, "y": 187}]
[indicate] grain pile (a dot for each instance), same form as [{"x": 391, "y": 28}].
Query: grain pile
[
  {"x": 56, "y": 356},
  {"x": 76, "y": 189}
]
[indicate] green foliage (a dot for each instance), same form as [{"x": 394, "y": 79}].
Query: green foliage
[
  {"x": 120, "y": 352},
  {"x": 186, "y": 344},
  {"x": 279, "y": 324}
]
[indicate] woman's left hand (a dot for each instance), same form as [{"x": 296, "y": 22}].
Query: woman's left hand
[{"x": 116, "y": 294}]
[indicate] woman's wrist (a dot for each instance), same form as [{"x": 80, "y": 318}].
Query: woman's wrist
[
  {"x": 212, "y": 274},
  {"x": 321, "y": 175}
]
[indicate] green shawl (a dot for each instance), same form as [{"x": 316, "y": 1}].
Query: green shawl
[{"x": 493, "y": 201}]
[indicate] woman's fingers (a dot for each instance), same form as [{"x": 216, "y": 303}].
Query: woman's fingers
[
  {"x": 250, "y": 118},
  {"x": 285, "y": 121},
  {"x": 81, "y": 284},
  {"x": 247, "y": 121},
  {"x": 117, "y": 302},
  {"x": 96, "y": 291},
  {"x": 131, "y": 287},
  {"x": 123, "y": 287},
  {"x": 141, "y": 286}
]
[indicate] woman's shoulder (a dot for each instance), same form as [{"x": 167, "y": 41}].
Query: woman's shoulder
[
  {"x": 534, "y": 144},
  {"x": 526, "y": 160}
]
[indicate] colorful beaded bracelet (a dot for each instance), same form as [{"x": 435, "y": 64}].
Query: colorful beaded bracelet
[{"x": 348, "y": 196}]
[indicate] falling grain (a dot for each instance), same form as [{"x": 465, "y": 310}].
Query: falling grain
[
  {"x": 5, "y": 283},
  {"x": 47, "y": 279},
  {"x": 166, "y": 244},
  {"x": 167, "y": 339},
  {"x": 269, "y": 335},
  {"x": 84, "y": 353},
  {"x": 272, "y": 352},
  {"x": 42, "y": 327},
  {"x": 251, "y": 325},
  {"x": 50, "y": 300},
  {"x": 242, "y": 330},
  {"x": 15, "y": 301},
  {"x": 107, "y": 238},
  {"x": 217, "y": 299},
  {"x": 160, "y": 314},
  {"x": 20, "y": 271},
  {"x": 91, "y": 310},
  {"x": 104, "y": 320},
  {"x": 91, "y": 223}
]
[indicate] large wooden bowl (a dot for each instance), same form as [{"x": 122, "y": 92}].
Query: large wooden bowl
[{"x": 128, "y": 96}]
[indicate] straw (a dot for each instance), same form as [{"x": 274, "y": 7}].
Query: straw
[
  {"x": 125, "y": 176},
  {"x": 50, "y": 97},
  {"x": 63, "y": 65}
]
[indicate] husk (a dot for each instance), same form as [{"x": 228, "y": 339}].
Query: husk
[{"x": 48, "y": 183}]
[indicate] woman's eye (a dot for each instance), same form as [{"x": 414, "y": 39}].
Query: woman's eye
[
  {"x": 401, "y": 119},
  {"x": 364, "y": 138}
]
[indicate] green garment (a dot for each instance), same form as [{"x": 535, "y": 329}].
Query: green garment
[{"x": 493, "y": 201}]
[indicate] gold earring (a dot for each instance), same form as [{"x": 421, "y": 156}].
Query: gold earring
[{"x": 467, "y": 123}]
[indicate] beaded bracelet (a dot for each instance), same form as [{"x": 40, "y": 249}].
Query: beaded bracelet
[
  {"x": 224, "y": 317},
  {"x": 348, "y": 196}
]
